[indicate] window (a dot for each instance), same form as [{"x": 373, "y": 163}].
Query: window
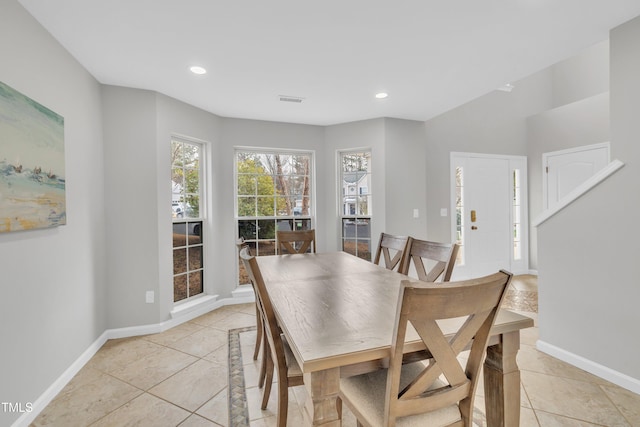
[
  {"x": 273, "y": 192},
  {"x": 355, "y": 202},
  {"x": 186, "y": 203},
  {"x": 460, "y": 214},
  {"x": 517, "y": 222}
]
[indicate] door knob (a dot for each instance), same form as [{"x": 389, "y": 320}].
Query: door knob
[{"x": 473, "y": 227}]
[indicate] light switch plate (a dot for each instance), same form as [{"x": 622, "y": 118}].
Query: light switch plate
[{"x": 443, "y": 212}]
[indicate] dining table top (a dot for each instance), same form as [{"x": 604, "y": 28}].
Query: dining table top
[{"x": 336, "y": 309}]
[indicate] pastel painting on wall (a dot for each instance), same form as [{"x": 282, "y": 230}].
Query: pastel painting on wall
[{"x": 32, "y": 178}]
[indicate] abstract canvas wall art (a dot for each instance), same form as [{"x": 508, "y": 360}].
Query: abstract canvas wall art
[{"x": 32, "y": 168}]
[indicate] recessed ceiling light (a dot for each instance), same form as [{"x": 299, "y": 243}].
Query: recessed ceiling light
[
  {"x": 198, "y": 70},
  {"x": 381, "y": 95},
  {"x": 506, "y": 88}
]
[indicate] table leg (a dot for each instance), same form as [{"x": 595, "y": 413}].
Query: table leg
[
  {"x": 320, "y": 408},
  {"x": 502, "y": 382}
]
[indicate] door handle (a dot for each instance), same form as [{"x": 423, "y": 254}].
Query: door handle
[{"x": 473, "y": 227}]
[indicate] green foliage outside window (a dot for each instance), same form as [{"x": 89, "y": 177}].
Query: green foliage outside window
[{"x": 185, "y": 173}]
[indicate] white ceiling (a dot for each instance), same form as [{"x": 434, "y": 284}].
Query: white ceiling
[{"x": 429, "y": 55}]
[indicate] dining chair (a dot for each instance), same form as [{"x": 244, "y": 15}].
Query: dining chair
[
  {"x": 391, "y": 248},
  {"x": 440, "y": 391},
  {"x": 441, "y": 255},
  {"x": 240, "y": 244},
  {"x": 279, "y": 355},
  {"x": 296, "y": 242}
]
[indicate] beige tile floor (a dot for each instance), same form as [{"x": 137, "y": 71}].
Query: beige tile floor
[{"x": 180, "y": 378}]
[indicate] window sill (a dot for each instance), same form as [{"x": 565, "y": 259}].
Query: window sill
[{"x": 203, "y": 303}]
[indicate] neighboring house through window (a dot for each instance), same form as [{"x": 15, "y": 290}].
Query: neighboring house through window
[{"x": 355, "y": 202}]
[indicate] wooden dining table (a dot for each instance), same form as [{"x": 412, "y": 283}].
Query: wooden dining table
[{"x": 337, "y": 313}]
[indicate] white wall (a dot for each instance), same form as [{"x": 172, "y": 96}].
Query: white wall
[
  {"x": 138, "y": 129},
  {"x": 131, "y": 205},
  {"x": 588, "y": 252},
  {"x": 53, "y": 287},
  {"x": 492, "y": 124},
  {"x": 255, "y": 133},
  {"x": 175, "y": 118},
  {"x": 139, "y": 125},
  {"x": 406, "y": 178},
  {"x": 580, "y": 123},
  {"x": 562, "y": 106},
  {"x": 63, "y": 287},
  {"x": 362, "y": 134}
]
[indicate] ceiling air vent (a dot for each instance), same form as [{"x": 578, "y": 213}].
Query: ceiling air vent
[{"x": 285, "y": 98}]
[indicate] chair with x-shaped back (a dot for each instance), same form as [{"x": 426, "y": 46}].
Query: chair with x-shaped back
[
  {"x": 241, "y": 244},
  {"x": 442, "y": 256},
  {"x": 296, "y": 242},
  {"x": 439, "y": 391},
  {"x": 391, "y": 249}
]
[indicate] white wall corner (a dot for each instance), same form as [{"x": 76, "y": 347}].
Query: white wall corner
[
  {"x": 618, "y": 378},
  {"x": 241, "y": 295}
]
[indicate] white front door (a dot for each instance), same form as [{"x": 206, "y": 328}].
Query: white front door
[
  {"x": 565, "y": 170},
  {"x": 490, "y": 203}
]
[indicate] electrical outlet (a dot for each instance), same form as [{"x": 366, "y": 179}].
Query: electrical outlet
[
  {"x": 443, "y": 212},
  {"x": 150, "y": 297},
  {"x": 416, "y": 213}
]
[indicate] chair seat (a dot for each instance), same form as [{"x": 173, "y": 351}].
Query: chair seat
[{"x": 366, "y": 394}]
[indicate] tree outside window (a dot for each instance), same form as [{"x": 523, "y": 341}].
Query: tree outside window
[{"x": 273, "y": 192}]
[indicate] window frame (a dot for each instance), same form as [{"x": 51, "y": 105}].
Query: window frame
[
  {"x": 309, "y": 220},
  {"x": 198, "y": 222},
  {"x": 345, "y": 190}
]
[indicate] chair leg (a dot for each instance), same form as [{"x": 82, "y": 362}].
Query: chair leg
[
  {"x": 283, "y": 402},
  {"x": 263, "y": 363},
  {"x": 268, "y": 381},
  {"x": 259, "y": 333}
]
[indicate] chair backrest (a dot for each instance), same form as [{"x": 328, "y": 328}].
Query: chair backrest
[
  {"x": 447, "y": 380},
  {"x": 443, "y": 255},
  {"x": 240, "y": 243},
  {"x": 296, "y": 242},
  {"x": 391, "y": 248},
  {"x": 266, "y": 308}
]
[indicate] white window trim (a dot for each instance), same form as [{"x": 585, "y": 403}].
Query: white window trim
[
  {"x": 269, "y": 150},
  {"x": 205, "y": 296},
  {"x": 341, "y": 193}
]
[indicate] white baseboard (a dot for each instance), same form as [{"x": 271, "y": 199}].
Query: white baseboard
[
  {"x": 241, "y": 295},
  {"x": 41, "y": 402},
  {"x": 618, "y": 378},
  {"x": 533, "y": 272}
]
